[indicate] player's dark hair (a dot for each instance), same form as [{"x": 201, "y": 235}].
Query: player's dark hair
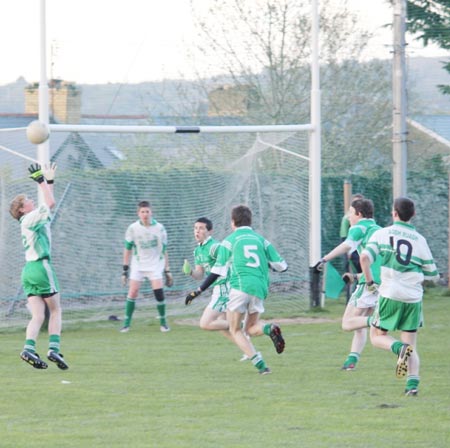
[
  {"x": 241, "y": 215},
  {"x": 363, "y": 207},
  {"x": 144, "y": 204},
  {"x": 405, "y": 208},
  {"x": 208, "y": 222}
]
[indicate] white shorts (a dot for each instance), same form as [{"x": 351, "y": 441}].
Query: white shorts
[
  {"x": 362, "y": 298},
  {"x": 219, "y": 298},
  {"x": 242, "y": 302},
  {"x": 142, "y": 275}
]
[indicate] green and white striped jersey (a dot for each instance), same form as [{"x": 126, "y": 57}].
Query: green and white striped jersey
[
  {"x": 147, "y": 243},
  {"x": 36, "y": 236},
  {"x": 357, "y": 238},
  {"x": 205, "y": 255},
  {"x": 406, "y": 261},
  {"x": 248, "y": 256}
]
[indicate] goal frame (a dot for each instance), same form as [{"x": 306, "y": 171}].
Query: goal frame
[{"x": 314, "y": 128}]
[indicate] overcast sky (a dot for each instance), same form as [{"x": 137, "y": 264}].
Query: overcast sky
[{"x": 99, "y": 41}]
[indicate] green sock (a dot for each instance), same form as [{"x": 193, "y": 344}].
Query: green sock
[
  {"x": 161, "y": 307},
  {"x": 129, "y": 310},
  {"x": 30, "y": 345},
  {"x": 54, "y": 342},
  {"x": 412, "y": 382},
  {"x": 266, "y": 329},
  {"x": 352, "y": 358},
  {"x": 258, "y": 361},
  {"x": 396, "y": 347}
]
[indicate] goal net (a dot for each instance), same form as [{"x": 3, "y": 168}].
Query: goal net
[{"x": 102, "y": 176}]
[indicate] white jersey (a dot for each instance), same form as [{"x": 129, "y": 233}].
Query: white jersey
[
  {"x": 148, "y": 244},
  {"x": 406, "y": 261},
  {"x": 35, "y": 229}
]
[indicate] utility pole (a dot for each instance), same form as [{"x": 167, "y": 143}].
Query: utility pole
[{"x": 399, "y": 131}]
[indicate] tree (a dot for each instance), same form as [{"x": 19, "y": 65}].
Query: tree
[
  {"x": 430, "y": 21},
  {"x": 265, "y": 45}
]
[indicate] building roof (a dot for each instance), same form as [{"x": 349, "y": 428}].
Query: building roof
[
  {"x": 13, "y": 137},
  {"x": 440, "y": 124}
]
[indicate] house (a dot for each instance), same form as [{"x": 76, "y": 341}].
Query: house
[
  {"x": 68, "y": 149},
  {"x": 89, "y": 150}
]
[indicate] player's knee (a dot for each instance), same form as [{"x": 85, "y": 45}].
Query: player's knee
[
  {"x": 159, "y": 295},
  {"x": 38, "y": 317}
]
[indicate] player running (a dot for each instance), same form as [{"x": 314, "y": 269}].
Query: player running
[
  {"x": 248, "y": 256},
  {"x": 406, "y": 261},
  {"x": 363, "y": 301},
  {"x": 205, "y": 255}
]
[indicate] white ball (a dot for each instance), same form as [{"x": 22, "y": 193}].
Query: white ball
[{"x": 37, "y": 132}]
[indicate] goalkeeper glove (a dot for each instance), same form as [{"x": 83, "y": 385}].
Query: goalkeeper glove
[
  {"x": 169, "y": 278},
  {"x": 372, "y": 287},
  {"x": 125, "y": 275},
  {"x": 49, "y": 172},
  {"x": 191, "y": 296},
  {"x": 36, "y": 173},
  {"x": 318, "y": 267},
  {"x": 187, "y": 268}
]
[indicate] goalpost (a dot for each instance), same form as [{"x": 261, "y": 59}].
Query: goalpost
[
  {"x": 184, "y": 178},
  {"x": 273, "y": 169}
]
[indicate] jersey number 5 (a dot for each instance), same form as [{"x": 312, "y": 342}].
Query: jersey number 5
[{"x": 250, "y": 252}]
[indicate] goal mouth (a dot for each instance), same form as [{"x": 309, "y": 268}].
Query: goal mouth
[{"x": 101, "y": 177}]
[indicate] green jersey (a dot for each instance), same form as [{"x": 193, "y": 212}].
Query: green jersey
[
  {"x": 35, "y": 229},
  {"x": 205, "y": 255},
  {"x": 358, "y": 237},
  {"x": 247, "y": 256}
]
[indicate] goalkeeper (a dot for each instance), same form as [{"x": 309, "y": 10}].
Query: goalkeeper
[
  {"x": 38, "y": 277},
  {"x": 145, "y": 256},
  {"x": 364, "y": 298}
]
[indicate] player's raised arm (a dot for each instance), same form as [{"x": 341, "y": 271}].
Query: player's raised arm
[{"x": 38, "y": 175}]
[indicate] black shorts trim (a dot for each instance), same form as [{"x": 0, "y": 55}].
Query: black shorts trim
[{"x": 44, "y": 296}]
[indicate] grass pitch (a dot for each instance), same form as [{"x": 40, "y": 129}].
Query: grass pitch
[{"x": 187, "y": 388}]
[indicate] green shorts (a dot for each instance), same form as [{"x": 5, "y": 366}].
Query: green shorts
[
  {"x": 393, "y": 315},
  {"x": 39, "y": 278}
]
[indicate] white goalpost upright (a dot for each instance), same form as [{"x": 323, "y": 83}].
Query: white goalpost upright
[{"x": 317, "y": 298}]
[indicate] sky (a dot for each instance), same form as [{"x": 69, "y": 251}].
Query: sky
[{"x": 100, "y": 41}]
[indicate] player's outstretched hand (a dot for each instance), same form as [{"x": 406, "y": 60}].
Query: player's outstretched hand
[
  {"x": 191, "y": 296},
  {"x": 169, "y": 278},
  {"x": 187, "y": 268},
  {"x": 318, "y": 267},
  {"x": 36, "y": 173},
  {"x": 125, "y": 275},
  {"x": 49, "y": 172},
  {"x": 348, "y": 277}
]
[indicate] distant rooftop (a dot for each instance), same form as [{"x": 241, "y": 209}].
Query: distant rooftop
[{"x": 440, "y": 124}]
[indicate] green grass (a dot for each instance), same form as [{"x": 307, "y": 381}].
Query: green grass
[{"x": 187, "y": 388}]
